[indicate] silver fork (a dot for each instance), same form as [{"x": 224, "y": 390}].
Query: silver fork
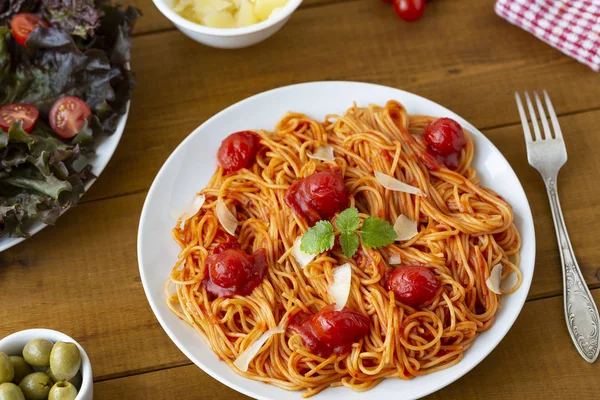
[{"x": 548, "y": 154}]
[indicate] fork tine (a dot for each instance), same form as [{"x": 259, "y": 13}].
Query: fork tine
[
  {"x": 534, "y": 123},
  {"x": 526, "y": 131},
  {"x": 555, "y": 125},
  {"x": 547, "y": 131}
]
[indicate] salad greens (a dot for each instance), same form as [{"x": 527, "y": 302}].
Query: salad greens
[{"x": 84, "y": 53}]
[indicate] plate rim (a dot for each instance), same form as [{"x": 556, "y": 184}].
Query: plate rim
[{"x": 495, "y": 341}]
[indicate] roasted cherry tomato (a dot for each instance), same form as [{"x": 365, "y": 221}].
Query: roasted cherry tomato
[
  {"x": 231, "y": 271},
  {"x": 414, "y": 286},
  {"x": 238, "y": 150},
  {"x": 68, "y": 116},
  {"x": 330, "y": 331},
  {"x": 409, "y": 10},
  {"x": 23, "y": 24},
  {"x": 26, "y": 113},
  {"x": 318, "y": 196},
  {"x": 445, "y": 136}
]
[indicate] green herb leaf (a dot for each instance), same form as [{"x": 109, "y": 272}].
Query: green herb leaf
[
  {"x": 376, "y": 233},
  {"x": 348, "y": 220},
  {"x": 318, "y": 239},
  {"x": 349, "y": 242}
]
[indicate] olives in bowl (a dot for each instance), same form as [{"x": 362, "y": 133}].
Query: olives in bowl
[
  {"x": 10, "y": 391},
  {"x": 41, "y": 364},
  {"x": 37, "y": 352}
]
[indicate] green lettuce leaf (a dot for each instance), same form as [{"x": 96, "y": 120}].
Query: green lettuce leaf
[{"x": 84, "y": 53}]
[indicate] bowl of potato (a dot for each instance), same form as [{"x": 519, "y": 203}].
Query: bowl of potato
[{"x": 228, "y": 24}]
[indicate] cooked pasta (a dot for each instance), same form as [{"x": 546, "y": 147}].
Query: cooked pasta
[{"x": 464, "y": 230}]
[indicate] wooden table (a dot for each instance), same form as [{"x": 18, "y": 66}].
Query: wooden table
[{"x": 81, "y": 276}]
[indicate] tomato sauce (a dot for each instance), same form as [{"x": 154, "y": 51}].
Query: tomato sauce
[
  {"x": 331, "y": 332},
  {"x": 230, "y": 270},
  {"x": 318, "y": 196}
]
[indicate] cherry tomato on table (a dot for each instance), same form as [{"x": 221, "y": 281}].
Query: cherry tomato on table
[
  {"x": 409, "y": 10},
  {"x": 414, "y": 286},
  {"x": 238, "y": 150},
  {"x": 23, "y": 24},
  {"x": 318, "y": 196},
  {"x": 26, "y": 113}
]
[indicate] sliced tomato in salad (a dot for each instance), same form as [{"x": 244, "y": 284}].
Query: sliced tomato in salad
[
  {"x": 23, "y": 24},
  {"x": 68, "y": 116},
  {"x": 26, "y": 113}
]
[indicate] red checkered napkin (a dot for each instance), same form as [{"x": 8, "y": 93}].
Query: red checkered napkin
[{"x": 572, "y": 26}]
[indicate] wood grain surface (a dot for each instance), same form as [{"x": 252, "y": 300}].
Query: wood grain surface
[{"x": 81, "y": 276}]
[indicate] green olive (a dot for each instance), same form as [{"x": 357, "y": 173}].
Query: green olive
[
  {"x": 7, "y": 370},
  {"x": 10, "y": 391},
  {"x": 36, "y": 386},
  {"x": 22, "y": 369},
  {"x": 62, "y": 391},
  {"x": 37, "y": 352},
  {"x": 65, "y": 360},
  {"x": 76, "y": 380}
]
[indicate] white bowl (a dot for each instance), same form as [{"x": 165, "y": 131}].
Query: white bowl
[
  {"x": 192, "y": 164},
  {"x": 224, "y": 38},
  {"x": 13, "y": 346}
]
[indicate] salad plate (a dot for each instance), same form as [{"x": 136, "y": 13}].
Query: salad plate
[{"x": 65, "y": 90}]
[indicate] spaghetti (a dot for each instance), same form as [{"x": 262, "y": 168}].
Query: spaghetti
[{"x": 464, "y": 230}]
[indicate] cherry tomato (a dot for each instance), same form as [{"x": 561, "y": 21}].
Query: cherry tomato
[
  {"x": 414, "y": 286},
  {"x": 445, "y": 136},
  {"x": 26, "y": 113},
  {"x": 231, "y": 271},
  {"x": 231, "y": 268},
  {"x": 318, "y": 196},
  {"x": 330, "y": 331},
  {"x": 409, "y": 10},
  {"x": 238, "y": 150},
  {"x": 68, "y": 116},
  {"x": 230, "y": 243},
  {"x": 387, "y": 1},
  {"x": 23, "y": 24}
]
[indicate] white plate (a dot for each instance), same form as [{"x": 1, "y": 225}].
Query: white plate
[
  {"x": 105, "y": 147},
  {"x": 191, "y": 165}
]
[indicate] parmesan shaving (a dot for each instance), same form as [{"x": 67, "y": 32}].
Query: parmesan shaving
[
  {"x": 340, "y": 288},
  {"x": 323, "y": 153},
  {"x": 394, "y": 184},
  {"x": 247, "y": 355},
  {"x": 302, "y": 258},
  {"x": 394, "y": 259},
  {"x": 493, "y": 282},
  {"x": 228, "y": 221},
  {"x": 193, "y": 208},
  {"x": 405, "y": 228}
]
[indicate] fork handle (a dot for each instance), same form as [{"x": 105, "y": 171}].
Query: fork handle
[{"x": 581, "y": 313}]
